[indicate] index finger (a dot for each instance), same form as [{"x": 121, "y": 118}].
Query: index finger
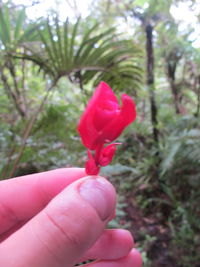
[{"x": 23, "y": 197}]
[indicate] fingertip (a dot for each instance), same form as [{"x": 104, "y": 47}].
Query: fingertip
[
  {"x": 100, "y": 194},
  {"x": 136, "y": 257},
  {"x": 133, "y": 259},
  {"x": 126, "y": 238}
]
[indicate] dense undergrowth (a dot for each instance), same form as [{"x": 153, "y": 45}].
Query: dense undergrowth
[{"x": 161, "y": 206}]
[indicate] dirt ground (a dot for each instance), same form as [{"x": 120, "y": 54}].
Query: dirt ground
[{"x": 157, "y": 244}]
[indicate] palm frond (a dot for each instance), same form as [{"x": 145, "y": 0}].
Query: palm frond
[
  {"x": 19, "y": 24},
  {"x": 69, "y": 50},
  {"x": 5, "y": 35},
  {"x": 14, "y": 33}
]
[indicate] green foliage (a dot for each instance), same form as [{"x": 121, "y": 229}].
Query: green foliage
[
  {"x": 181, "y": 152},
  {"x": 14, "y": 30},
  {"x": 178, "y": 180},
  {"x": 84, "y": 54},
  {"x": 184, "y": 226}
]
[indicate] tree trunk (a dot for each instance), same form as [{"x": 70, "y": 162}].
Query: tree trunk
[
  {"x": 171, "y": 70},
  {"x": 150, "y": 80},
  {"x": 198, "y": 98}
]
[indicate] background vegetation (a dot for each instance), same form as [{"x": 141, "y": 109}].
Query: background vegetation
[{"x": 49, "y": 67}]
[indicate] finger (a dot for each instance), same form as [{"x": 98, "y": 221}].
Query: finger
[
  {"x": 133, "y": 259},
  {"x": 23, "y": 197},
  {"x": 63, "y": 231},
  {"x": 113, "y": 244}
]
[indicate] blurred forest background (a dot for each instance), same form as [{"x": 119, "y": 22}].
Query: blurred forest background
[{"x": 150, "y": 49}]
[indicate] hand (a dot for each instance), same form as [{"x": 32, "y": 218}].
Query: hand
[{"x": 58, "y": 218}]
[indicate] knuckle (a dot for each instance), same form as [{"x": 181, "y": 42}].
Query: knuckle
[{"x": 69, "y": 237}]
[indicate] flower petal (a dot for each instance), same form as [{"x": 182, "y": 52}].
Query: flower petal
[
  {"x": 113, "y": 129},
  {"x": 86, "y": 127},
  {"x": 107, "y": 154},
  {"x": 102, "y": 118}
]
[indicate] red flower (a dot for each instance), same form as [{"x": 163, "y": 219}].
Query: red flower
[{"x": 102, "y": 122}]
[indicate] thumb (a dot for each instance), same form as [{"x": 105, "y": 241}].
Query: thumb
[{"x": 61, "y": 233}]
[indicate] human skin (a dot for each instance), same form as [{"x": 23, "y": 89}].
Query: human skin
[{"x": 59, "y": 218}]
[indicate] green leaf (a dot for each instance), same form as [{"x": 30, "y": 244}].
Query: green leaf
[
  {"x": 19, "y": 23},
  {"x": 66, "y": 43},
  {"x": 5, "y": 26},
  {"x": 170, "y": 159},
  {"x": 73, "y": 37}
]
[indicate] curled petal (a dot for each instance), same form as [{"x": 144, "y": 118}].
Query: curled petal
[
  {"x": 113, "y": 129},
  {"x": 107, "y": 154}
]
